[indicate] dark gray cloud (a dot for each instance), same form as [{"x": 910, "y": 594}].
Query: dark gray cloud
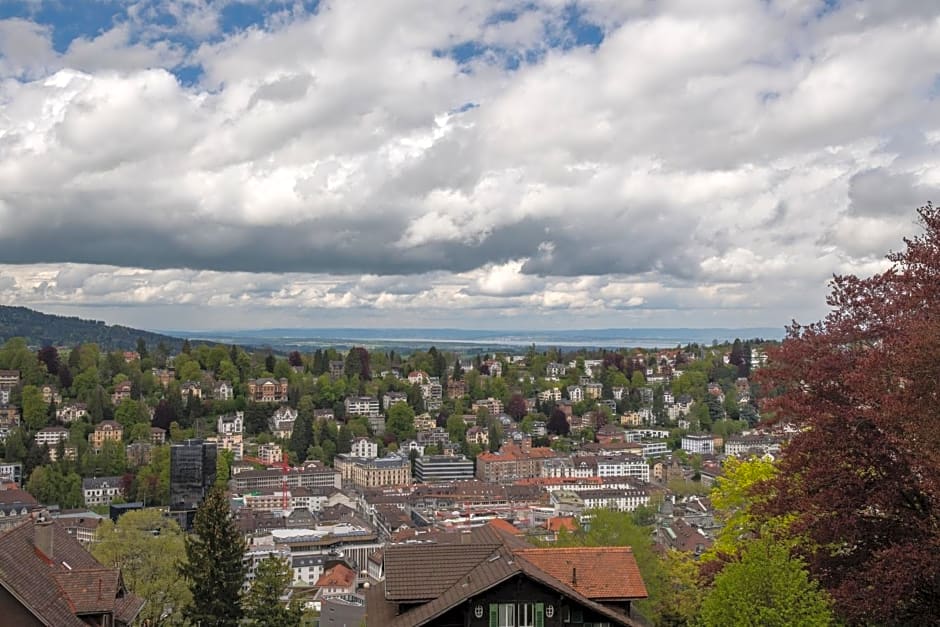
[{"x": 881, "y": 192}]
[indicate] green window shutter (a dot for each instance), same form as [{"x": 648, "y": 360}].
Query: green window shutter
[
  {"x": 539, "y": 615},
  {"x": 494, "y": 615}
]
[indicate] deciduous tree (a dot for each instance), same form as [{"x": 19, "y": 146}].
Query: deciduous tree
[
  {"x": 147, "y": 547},
  {"x": 862, "y": 478}
]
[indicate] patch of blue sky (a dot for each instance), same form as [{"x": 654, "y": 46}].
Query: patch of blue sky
[
  {"x": 573, "y": 31},
  {"x": 67, "y": 20}
]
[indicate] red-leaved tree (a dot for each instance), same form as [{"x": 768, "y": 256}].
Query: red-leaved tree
[{"x": 862, "y": 479}]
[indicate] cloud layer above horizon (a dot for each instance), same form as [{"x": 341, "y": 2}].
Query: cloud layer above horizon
[{"x": 185, "y": 163}]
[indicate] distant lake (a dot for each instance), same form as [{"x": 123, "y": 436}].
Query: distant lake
[{"x": 470, "y": 340}]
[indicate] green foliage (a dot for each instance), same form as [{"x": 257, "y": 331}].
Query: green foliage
[
  {"x": 153, "y": 480},
  {"x": 39, "y": 328},
  {"x": 611, "y": 528},
  {"x": 401, "y": 421},
  {"x": 34, "y": 408},
  {"x": 766, "y": 587},
  {"x": 734, "y": 497},
  {"x": 214, "y": 567},
  {"x": 51, "y": 485},
  {"x": 147, "y": 547},
  {"x": 263, "y": 604}
]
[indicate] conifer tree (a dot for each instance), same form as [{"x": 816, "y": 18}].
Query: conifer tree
[
  {"x": 263, "y": 604},
  {"x": 215, "y": 568}
]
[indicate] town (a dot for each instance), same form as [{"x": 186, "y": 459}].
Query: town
[{"x": 355, "y": 468}]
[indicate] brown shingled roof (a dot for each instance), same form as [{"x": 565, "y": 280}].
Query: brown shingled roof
[{"x": 54, "y": 587}]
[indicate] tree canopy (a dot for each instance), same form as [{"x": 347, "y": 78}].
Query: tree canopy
[{"x": 862, "y": 478}]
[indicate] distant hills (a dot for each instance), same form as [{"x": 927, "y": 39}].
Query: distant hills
[{"x": 41, "y": 329}]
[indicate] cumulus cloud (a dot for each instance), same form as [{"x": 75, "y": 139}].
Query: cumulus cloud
[{"x": 431, "y": 155}]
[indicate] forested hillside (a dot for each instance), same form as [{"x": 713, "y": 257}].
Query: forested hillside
[{"x": 39, "y": 328}]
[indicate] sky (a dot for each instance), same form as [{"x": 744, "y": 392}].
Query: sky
[{"x": 490, "y": 164}]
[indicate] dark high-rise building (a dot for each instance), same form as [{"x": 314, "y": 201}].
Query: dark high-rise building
[{"x": 192, "y": 473}]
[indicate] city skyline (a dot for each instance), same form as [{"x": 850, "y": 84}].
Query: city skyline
[{"x": 182, "y": 164}]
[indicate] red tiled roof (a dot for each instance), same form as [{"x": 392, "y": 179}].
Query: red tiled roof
[
  {"x": 599, "y": 573},
  {"x": 338, "y": 576},
  {"x": 561, "y": 522},
  {"x": 505, "y": 525}
]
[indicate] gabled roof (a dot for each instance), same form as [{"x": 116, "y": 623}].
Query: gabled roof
[
  {"x": 441, "y": 577},
  {"x": 589, "y": 570},
  {"x": 55, "y": 588},
  {"x": 338, "y": 576}
]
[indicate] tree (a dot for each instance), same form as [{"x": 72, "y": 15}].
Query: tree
[
  {"x": 357, "y": 364},
  {"x": 295, "y": 359},
  {"x": 147, "y": 546},
  {"x": 215, "y": 569},
  {"x": 558, "y": 423},
  {"x": 34, "y": 408},
  {"x": 401, "y": 421},
  {"x": 49, "y": 356},
  {"x": 301, "y": 436},
  {"x": 263, "y": 604},
  {"x": 867, "y": 516},
  {"x": 766, "y": 587},
  {"x": 517, "y": 407}
]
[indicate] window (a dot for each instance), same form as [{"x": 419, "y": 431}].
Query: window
[{"x": 517, "y": 615}]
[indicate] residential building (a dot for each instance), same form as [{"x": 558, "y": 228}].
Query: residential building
[
  {"x": 231, "y": 423},
  {"x": 11, "y": 471},
  {"x": 122, "y": 391},
  {"x": 618, "y": 500},
  {"x": 107, "y": 430},
  {"x": 390, "y": 398},
  {"x": 164, "y": 375},
  {"x": 270, "y": 453},
  {"x": 417, "y": 377},
  {"x": 191, "y": 389},
  {"x": 755, "y": 444},
  {"x": 51, "y": 436},
  {"x": 50, "y": 394},
  {"x": 71, "y": 412},
  {"x": 101, "y": 490},
  {"x": 435, "y": 468},
  {"x": 223, "y": 391},
  {"x": 575, "y": 393},
  {"x": 593, "y": 390},
  {"x": 16, "y": 505},
  {"x": 268, "y": 390},
  {"x": 337, "y": 367},
  {"x": 367, "y": 406},
  {"x": 48, "y": 578},
  {"x": 336, "y": 580},
  {"x": 493, "y": 406},
  {"x": 364, "y": 448},
  {"x": 282, "y": 422},
  {"x": 456, "y": 388},
  {"x": 493, "y": 578},
  {"x": 432, "y": 393},
  {"x": 698, "y": 443},
  {"x": 512, "y": 462},
  {"x": 157, "y": 436},
  {"x": 555, "y": 370}
]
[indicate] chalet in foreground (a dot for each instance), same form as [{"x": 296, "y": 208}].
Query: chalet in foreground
[
  {"x": 47, "y": 578},
  {"x": 487, "y": 578}
]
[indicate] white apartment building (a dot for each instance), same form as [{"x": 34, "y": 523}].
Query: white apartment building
[
  {"x": 364, "y": 448},
  {"x": 703, "y": 444},
  {"x": 362, "y": 406}
]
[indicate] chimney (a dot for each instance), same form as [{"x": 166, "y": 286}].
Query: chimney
[
  {"x": 43, "y": 534},
  {"x": 574, "y": 576}
]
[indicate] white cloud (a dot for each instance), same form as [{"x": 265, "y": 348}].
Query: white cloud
[{"x": 700, "y": 163}]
